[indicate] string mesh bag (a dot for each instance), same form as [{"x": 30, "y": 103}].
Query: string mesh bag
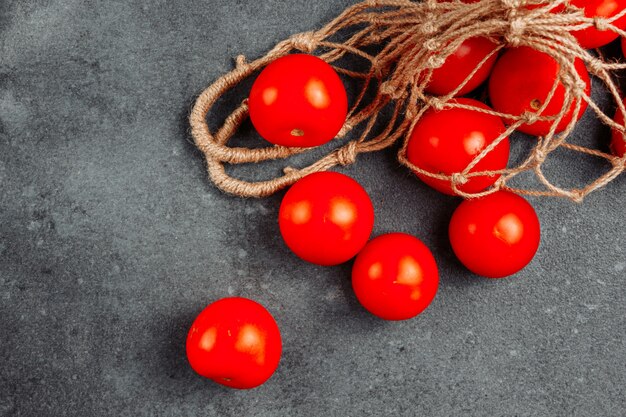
[{"x": 397, "y": 45}]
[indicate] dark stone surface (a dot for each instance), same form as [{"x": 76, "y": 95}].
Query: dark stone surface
[{"x": 112, "y": 240}]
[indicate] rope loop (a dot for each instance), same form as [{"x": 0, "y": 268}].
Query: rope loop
[{"x": 401, "y": 42}]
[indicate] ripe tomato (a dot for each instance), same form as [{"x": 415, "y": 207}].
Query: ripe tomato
[
  {"x": 298, "y": 101},
  {"x": 592, "y": 37},
  {"x": 326, "y": 218},
  {"x": 395, "y": 276},
  {"x": 234, "y": 342},
  {"x": 522, "y": 80},
  {"x": 460, "y": 65},
  {"x": 495, "y": 236},
  {"x": 618, "y": 146},
  {"x": 447, "y": 141}
]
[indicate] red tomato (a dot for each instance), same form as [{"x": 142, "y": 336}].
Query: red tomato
[
  {"x": 624, "y": 46},
  {"x": 395, "y": 277},
  {"x": 326, "y": 218},
  {"x": 298, "y": 101},
  {"x": 592, "y": 37},
  {"x": 460, "y": 65},
  {"x": 618, "y": 146},
  {"x": 447, "y": 141},
  {"x": 522, "y": 80},
  {"x": 495, "y": 236},
  {"x": 234, "y": 342}
]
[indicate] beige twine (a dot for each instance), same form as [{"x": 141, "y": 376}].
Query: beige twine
[{"x": 415, "y": 38}]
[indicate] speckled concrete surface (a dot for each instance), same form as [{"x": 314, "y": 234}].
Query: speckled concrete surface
[{"x": 112, "y": 240}]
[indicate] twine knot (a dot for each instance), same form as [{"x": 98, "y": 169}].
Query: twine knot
[
  {"x": 540, "y": 155},
  {"x": 619, "y": 162},
  {"x": 579, "y": 88},
  {"x": 595, "y": 66},
  {"x": 388, "y": 89},
  {"x": 435, "y": 61},
  {"x": 601, "y": 24},
  {"x": 376, "y": 68},
  {"x": 578, "y": 196},
  {"x": 376, "y": 21},
  {"x": 305, "y": 42},
  {"x": 429, "y": 27},
  {"x": 459, "y": 179},
  {"x": 374, "y": 37},
  {"x": 437, "y": 103},
  {"x": 511, "y": 4},
  {"x": 530, "y": 117},
  {"x": 432, "y": 45},
  {"x": 517, "y": 28},
  {"x": 347, "y": 155},
  {"x": 574, "y": 84}
]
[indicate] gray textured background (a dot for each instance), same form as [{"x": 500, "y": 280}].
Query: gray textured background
[{"x": 112, "y": 240}]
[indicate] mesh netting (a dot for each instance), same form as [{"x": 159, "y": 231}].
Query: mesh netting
[{"x": 410, "y": 40}]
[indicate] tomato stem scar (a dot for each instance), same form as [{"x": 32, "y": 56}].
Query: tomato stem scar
[
  {"x": 297, "y": 132},
  {"x": 535, "y": 104}
]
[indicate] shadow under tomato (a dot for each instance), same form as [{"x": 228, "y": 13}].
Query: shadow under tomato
[
  {"x": 366, "y": 321},
  {"x": 451, "y": 270},
  {"x": 345, "y": 272},
  {"x": 168, "y": 367}
]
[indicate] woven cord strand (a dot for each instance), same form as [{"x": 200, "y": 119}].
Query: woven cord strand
[{"x": 415, "y": 38}]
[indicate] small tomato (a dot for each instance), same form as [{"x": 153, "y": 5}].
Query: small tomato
[
  {"x": 395, "y": 276},
  {"x": 326, "y": 218},
  {"x": 521, "y": 82},
  {"x": 298, "y": 101},
  {"x": 446, "y": 141},
  {"x": 234, "y": 342},
  {"x": 495, "y": 236}
]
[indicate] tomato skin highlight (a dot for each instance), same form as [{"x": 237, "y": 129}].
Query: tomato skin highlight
[
  {"x": 618, "y": 146},
  {"x": 460, "y": 65},
  {"x": 495, "y": 236},
  {"x": 326, "y": 218},
  {"x": 448, "y": 140},
  {"x": 522, "y": 80},
  {"x": 395, "y": 277},
  {"x": 235, "y": 342},
  {"x": 298, "y": 101},
  {"x": 593, "y": 38}
]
